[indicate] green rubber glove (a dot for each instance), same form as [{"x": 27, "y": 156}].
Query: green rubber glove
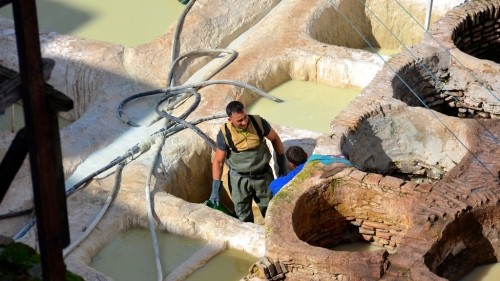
[
  {"x": 281, "y": 165},
  {"x": 215, "y": 196}
]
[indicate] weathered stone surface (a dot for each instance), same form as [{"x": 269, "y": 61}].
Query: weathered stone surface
[{"x": 384, "y": 130}]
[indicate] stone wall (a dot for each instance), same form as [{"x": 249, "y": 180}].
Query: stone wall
[
  {"x": 471, "y": 33},
  {"x": 375, "y": 24},
  {"x": 479, "y": 33},
  {"x": 473, "y": 235},
  {"x": 340, "y": 207},
  {"x": 429, "y": 231}
]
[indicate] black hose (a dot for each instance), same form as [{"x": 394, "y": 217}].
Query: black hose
[
  {"x": 16, "y": 214},
  {"x": 184, "y": 123},
  {"x": 131, "y": 98},
  {"x": 170, "y": 80}
]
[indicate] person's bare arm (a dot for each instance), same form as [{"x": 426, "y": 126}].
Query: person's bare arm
[
  {"x": 276, "y": 142},
  {"x": 218, "y": 164}
]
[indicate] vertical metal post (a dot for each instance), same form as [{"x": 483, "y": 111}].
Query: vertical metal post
[
  {"x": 43, "y": 145},
  {"x": 428, "y": 14}
]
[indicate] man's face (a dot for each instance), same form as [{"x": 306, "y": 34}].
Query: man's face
[{"x": 239, "y": 120}]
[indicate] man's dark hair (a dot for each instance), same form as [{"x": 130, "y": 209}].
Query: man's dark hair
[
  {"x": 296, "y": 155},
  {"x": 234, "y": 107}
]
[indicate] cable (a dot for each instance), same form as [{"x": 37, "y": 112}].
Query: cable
[
  {"x": 183, "y": 122},
  {"x": 104, "y": 209},
  {"x": 16, "y": 214},
  {"x": 151, "y": 223}
]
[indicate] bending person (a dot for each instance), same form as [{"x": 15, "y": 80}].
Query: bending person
[
  {"x": 242, "y": 146},
  {"x": 297, "y": 158}
]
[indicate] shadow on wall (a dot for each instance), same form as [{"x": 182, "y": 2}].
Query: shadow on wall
[
  {"x": 341, "y": 25},
  {"x": 59, "y": 13},
  {"x": 364, "y": 149},
  {"x": 317, "y": 222},
  {"x": 478, "y": 27}
]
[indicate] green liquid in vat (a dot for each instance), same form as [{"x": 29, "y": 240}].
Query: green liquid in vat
[
  {"x": 357, "y": 247},
  {"x": 228, "y": 265},
  {"x": 125, "y": 22},
  {"x": 130, "y": 257},
  {"x": 307, "y": 105},
  {"x": 13, "y": 119},
  {"x": 487, "y": 272}
]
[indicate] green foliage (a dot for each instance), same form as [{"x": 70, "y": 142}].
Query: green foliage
[{"x": 19, "y": 262}]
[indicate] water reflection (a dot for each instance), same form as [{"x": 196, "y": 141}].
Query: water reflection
[{"x": 307, "y": 105}]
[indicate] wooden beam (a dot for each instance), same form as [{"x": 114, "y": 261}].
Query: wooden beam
[
  {"x": 4, "y": 2},
  {"x": 9, "y": 90},
  {"x": 44, "y": 145},
  {"x": 12, "y": 161}
]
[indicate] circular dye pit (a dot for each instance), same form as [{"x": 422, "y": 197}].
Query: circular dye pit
[{"x": 469, "y": 241}]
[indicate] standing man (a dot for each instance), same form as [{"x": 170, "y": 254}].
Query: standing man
[{"x": 241, "y": 144}]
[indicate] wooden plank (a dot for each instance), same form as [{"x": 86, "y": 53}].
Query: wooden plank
[
  {"x": 12, "y": 161},
  {"x": 4, "y": 2},
  {"x": 43, "y": 145},
  {"x": 9, "y": 90},
  {"x": 9, "y": 93}
]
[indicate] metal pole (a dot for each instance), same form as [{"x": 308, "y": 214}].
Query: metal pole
[{"x": 428, "y": 15}]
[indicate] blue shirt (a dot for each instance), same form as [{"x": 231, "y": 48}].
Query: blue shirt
[{"x": 278, "y": 183}]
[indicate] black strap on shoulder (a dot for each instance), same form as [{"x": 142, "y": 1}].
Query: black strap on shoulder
[
  {"x": 229, "y": 139},
  {"x": 257, "y": 127}
]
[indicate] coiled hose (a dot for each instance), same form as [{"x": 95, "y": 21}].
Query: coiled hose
[{"x": 173, "y": 125}]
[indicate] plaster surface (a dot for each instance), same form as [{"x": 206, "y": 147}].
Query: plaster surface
[{"x": 276, "y": 41}]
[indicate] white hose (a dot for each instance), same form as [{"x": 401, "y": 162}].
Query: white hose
[
  {"x": 151, "y": 223},
  {"x": 89, "y": 229},
  {"x": 101, "y": 213}
]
